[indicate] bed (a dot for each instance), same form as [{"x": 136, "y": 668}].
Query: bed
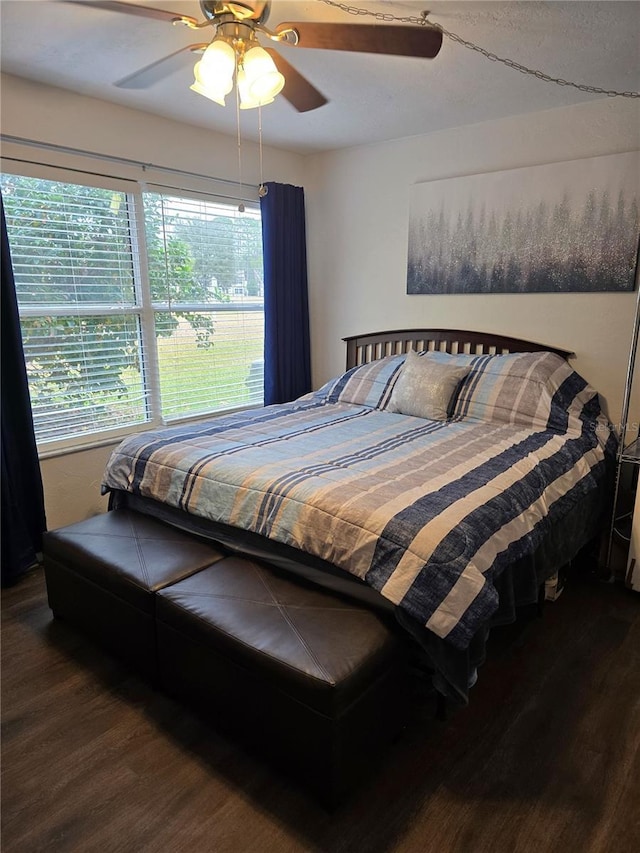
[{"x": 442, "y": 479}]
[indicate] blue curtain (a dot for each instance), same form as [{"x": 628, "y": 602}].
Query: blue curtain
[
  {"x": 23, "y": 518},
  {"x": 287, "y": 355}
]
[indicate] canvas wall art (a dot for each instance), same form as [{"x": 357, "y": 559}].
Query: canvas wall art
[{"x": 557, "y": 228}]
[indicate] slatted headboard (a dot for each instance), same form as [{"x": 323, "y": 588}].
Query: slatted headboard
[{"x": 362, "y": 349}]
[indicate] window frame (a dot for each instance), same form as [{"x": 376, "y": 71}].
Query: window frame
[{"x": 145, "y": 310}]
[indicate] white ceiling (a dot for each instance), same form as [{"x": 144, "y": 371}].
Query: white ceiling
[{"x": 371, "y": 98}]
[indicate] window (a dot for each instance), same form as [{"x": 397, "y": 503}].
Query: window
[
  {"x": 136, "y": 308},
  {"x": 205, "y": 273}
]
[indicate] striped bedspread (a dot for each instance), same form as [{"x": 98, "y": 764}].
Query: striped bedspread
[{"x": 426, "y": 512}]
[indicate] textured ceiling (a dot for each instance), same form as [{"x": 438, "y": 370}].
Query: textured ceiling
[{"x": 371, "y": 98}]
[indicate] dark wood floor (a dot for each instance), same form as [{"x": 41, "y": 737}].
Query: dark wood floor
[{"x": 546, "y": 758}]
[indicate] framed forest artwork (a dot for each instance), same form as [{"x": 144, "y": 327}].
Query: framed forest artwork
[{"x": 557, "y": 228}]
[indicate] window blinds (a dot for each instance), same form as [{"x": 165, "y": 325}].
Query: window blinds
[
  {"x": 117, "y": 339},
  {"x": 205, "y": 276},
  {"x": 73, "y": 267}
]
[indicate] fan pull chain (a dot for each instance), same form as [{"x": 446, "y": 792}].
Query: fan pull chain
[
  {"x": 241, "y": 205},
  {"x": 262, "y": 190},
  {"x": 510, "y": 63}
]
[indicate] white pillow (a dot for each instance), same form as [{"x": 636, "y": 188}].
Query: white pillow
[{"x": 425, "y": 386}]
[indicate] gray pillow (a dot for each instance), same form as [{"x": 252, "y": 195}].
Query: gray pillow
[{"x": 425, "y": 386}]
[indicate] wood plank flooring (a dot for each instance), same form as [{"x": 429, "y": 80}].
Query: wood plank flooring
[{"x": 545, "y": 758}]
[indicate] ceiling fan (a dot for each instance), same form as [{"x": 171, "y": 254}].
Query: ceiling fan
[{"x": 238, "y": 24}]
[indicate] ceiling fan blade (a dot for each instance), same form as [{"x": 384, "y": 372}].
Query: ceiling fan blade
[
  {"x": 297, "y": 89},
  {"x": 133, "y": 9},
  {"x": 422, "y": 42},
  {"x": 158, "y": 70}
]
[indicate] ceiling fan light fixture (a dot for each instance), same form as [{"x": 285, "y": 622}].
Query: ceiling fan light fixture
[
  {"x": 262, "y": 79},
  {"x": 214, "y": 89},
  {"x": 247, "y": 100},
  {"x": 218, "y": 60}
]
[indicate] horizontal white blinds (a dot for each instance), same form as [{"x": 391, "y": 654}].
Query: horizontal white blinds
[
  {"x": 205, "y": 276},
  {"x": 73, "y": 266},
  {"x": 114, "y": 340},
  {"x": 83, "y": 374},
  {"x": 69, "y": 244}
]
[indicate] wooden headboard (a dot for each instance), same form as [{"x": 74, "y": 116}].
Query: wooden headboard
[{"x": 362, "y": 349}]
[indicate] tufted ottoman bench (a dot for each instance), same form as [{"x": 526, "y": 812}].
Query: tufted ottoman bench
[
  {"x": 313, "y": 681},
  {"x": 102, "y": 575}
]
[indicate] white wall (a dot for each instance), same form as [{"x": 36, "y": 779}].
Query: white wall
[
  {"x": 60, "y": 117},
  {"x": 36, "y": 112},
  {"x": 357, "y": 221}
]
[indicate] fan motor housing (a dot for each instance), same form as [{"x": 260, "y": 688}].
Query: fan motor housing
[{"x": 256, "y": 10}]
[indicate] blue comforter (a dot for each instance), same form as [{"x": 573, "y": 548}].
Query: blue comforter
[{"x": 426, "y": 512}]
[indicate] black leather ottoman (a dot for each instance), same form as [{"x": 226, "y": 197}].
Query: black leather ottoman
[
  {"x": 102, "y": 575},
  {"x": 315, "y": 682}
]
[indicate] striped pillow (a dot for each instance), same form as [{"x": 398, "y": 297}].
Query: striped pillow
[
  {"x": 524, "y": 389},
  {"x": 366, "y": 385}
]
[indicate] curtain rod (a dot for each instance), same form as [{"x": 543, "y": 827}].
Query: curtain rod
[
  {"x": 64, "y": 149},
  {"x": 134, "y": 181}
]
